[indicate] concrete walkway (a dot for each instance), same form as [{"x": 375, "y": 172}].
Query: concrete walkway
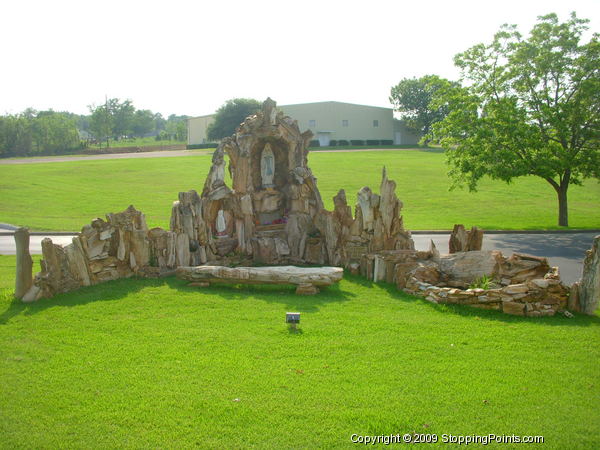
[{"x": 565, "y": 250}]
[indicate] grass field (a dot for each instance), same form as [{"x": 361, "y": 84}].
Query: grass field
[
  {"x": 153, "y": 363},
  {"x": 139, "y": 142},
  {"x": 65, "y": 196}
]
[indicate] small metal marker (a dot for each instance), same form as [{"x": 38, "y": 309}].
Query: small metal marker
[{"x": 293, "y": 318}]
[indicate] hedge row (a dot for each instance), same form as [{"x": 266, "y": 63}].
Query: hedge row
[
  {"x": 354, "y": 142},
  {"x": 316, "y": 143},
  {"x": 196, "y": 146}
]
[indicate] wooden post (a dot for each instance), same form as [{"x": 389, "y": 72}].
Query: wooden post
[{"x": 24, "y": 278}]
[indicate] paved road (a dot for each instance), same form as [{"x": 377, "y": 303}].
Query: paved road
[
  {"x": 157, "y": 154},
  {"x": 565, "y": 250}
]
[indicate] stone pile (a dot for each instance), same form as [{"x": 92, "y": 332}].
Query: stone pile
[{"x": 537, "y": 297}]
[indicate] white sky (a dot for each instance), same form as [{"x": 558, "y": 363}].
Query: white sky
[{"x": 188, "y": 57}]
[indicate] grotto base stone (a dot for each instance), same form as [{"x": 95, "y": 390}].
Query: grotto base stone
[{"x": 305, "y": 278}]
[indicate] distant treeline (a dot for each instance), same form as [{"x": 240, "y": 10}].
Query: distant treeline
[{"x": 50, "y": 132}]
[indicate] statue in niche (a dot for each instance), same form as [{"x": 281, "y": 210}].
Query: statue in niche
[
  {"x": 221, "y": 224},
  {"x": 267, "y": 166}
]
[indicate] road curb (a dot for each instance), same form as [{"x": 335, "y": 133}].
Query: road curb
[
  {"x": 42, "y": 233},
  {"x": 510, "y": 231}
]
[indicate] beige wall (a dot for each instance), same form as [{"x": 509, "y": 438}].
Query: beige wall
[
  {"x": 403, "y": 135},
  {"x": 329, "y": 120},
  {"x": 329, "y": 117},
  {"x": 197, "y": 129}
]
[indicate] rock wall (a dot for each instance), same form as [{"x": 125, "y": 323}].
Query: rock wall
[
  {"x": 526, "y": 285},
  {"x": 119, "y": 247}
]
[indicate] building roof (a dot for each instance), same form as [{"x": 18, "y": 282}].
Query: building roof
[
  {"x": 307, "y": 104},
  {"x": 338, "y": 103},
  {"x": 200, "y": 117}
]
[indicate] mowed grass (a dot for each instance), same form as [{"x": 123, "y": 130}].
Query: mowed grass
[
  {"x": 154, "y": 363},
  {"x": 139, "y": 142},
  {"x": 65, "y": 196}
]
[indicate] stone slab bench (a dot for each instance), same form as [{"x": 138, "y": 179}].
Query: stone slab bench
[{"x": 307, "y": 279}]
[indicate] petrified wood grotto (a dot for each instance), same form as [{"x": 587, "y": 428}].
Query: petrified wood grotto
[{"x": 272, "y": 214}]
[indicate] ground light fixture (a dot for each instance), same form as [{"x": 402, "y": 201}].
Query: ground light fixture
[{"x": 293, "y": 318}]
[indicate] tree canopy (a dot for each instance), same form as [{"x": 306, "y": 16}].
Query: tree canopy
[
  {"x": 116, "y": 119},
  {"x": 530, "y": 106},
  {"x": 412, "y": 97},
  {"x": 230, "y": 116},
  {"x": 35, "y": 133}
]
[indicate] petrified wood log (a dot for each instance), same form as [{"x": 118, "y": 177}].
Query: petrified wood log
[
  {"x": 24, "y": 278},
  {"x": 300, "y": 276},
  {"x": 462, "y": 240},
  {"x": 589, "y": 285}
]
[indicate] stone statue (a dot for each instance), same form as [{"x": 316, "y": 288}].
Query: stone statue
[
  {"x": 267, "y": 166},
  {"x": 221, "y": 224}
]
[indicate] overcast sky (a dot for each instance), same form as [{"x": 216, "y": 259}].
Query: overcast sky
[{"x": 188, "y": 57}]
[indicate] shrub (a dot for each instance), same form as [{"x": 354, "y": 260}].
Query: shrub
[
  {"x": 196, "y": 146},
  {"x": 484, "y": 282},
  {"x": 387, "y": 142},
  {"x": 314, "y": 143},
  {"x": 333, "y": 143},
  {"x": 357, "y": 142},
  {"x": 343, "y": 142},
  {"x": 373, "y": 142}
]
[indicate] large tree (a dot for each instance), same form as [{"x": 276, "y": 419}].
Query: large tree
[
  {"x": 114, "y": 119},
  {"x": 412, "y": 98},
  {"x": 230, "y": 115},
  {"x": 101, "y": 123},
  {"x": 530, "y": 106},
  {"x": 143, "y": 122}
]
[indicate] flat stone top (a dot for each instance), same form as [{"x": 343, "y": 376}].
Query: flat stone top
[
  {"x": 289, "y": 270},
  {"x": 317, "y": 276}
]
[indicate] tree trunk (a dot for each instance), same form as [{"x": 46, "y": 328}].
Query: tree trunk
[{"x": 563, "y": 210}]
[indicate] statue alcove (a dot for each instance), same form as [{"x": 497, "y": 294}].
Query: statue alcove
[
  {"x": 270, "y": 176},
  {"x": 221, "y": 219}
]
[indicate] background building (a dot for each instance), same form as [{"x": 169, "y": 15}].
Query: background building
[{"x": 331, "y": 121}]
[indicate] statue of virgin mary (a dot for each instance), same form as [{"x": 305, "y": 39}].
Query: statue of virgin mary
[{"x": 267, "y": 166}]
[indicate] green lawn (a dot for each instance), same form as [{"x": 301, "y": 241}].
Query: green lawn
[
  {"x": 65, "y": 196},
  {"x": 154, "y": 363},
  {"x": 139, "y": 142}
]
